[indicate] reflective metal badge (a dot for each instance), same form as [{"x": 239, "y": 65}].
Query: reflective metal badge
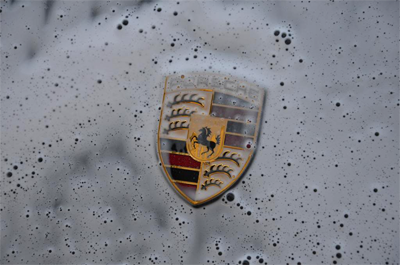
[{"x": 207, "y": 133}]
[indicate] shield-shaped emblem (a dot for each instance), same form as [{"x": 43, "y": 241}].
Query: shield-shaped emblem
[
  {"x": 207, "y": 133},
  {"x": 206, "y": 137}
]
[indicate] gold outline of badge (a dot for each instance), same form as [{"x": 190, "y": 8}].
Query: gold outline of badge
[{"x": 244, "y": 167}]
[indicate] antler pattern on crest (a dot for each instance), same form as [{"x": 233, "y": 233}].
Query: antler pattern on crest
[
  {"x": 183, "y": 99},
  {"x": 234, "y": 157},
  {"x": 176, "y": 125},
  {"x": 180, "y": 112},
  {"x": 211, "y": 181},
  {"x": 214, "y": 169}
]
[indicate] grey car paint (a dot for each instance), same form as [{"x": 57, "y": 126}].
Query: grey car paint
[{"x": 80, "y": 103}]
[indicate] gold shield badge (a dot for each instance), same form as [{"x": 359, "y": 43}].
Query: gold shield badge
[
  {"x": 206, "y": 137},
  {"x": 207, "y": 133}
]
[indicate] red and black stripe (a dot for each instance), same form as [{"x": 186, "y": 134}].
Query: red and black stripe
[
  {"x": 183, "y": 174},
  {"x": 238, "y": 141},
  {"x": 180, "y": 160},
  {"x": 173, "y": 145},
  {"x": 244, "y": 115},
  {"x": 173, "y": 160}
]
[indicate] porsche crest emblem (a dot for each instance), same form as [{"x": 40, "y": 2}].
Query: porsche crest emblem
[{"x": 207, "y": 133}]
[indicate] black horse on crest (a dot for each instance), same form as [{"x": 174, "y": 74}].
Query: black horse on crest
[{"x": 201, "y": 139}]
